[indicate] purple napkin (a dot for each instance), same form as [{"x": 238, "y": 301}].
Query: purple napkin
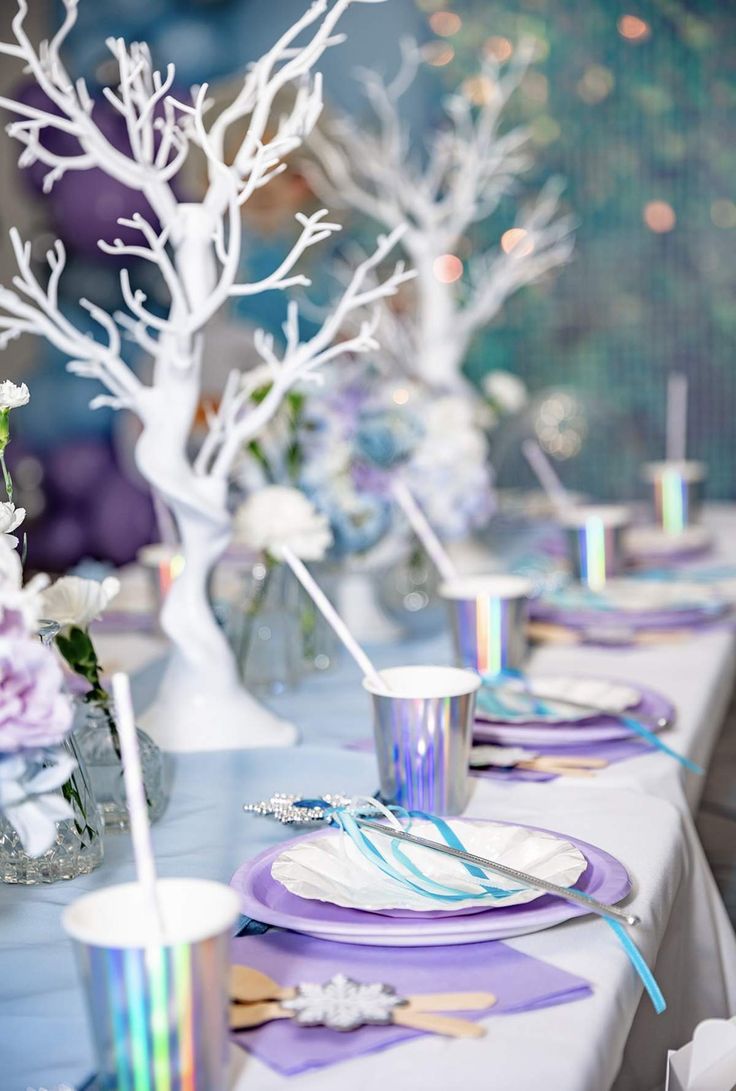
[{"x": 519, "y": 982}]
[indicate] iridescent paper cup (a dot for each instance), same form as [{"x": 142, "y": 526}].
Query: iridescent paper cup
[
  {"x": 488, "y": 616},
  {"x": 595, "y": 542},
  {"x": 677, "y": 492},
  {"x": 158, "y": 1013},
  {"x": 423, "y": 730}
]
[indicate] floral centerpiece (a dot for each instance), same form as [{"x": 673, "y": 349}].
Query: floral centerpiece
[
  {"x": 49, "y": 826},
  {"x": 277, "y": 634},
  {"x": 345, "y": 447},
  {"x": 72, "y": 603}
]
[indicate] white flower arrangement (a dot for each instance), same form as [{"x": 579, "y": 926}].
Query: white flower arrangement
[
  {"x": 75, "y": 601},
  {"x": 13, "y": 396},
  {"x": 278, "y": 516}
]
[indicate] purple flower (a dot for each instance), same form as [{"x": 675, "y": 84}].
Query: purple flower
[{"x": 33, "y": 710}]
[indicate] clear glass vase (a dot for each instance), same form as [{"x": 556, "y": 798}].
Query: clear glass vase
[
  {"x": 321, "y": 648},
  {"x": 99, "y": 745},
  {"x": 408, "y": 593},
  {"x": 78, "y": 847},
  {"x": 265, "y": 630}
]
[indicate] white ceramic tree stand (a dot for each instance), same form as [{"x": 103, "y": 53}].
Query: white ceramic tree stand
[
  {"x": 469, "y": 166},
  {"x": 197, "y": 250}
]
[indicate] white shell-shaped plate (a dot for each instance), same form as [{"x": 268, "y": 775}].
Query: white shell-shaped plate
[{"x": 332, "y": 869}]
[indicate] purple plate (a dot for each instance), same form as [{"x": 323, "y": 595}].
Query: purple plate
[
  {"x": 603, "y": 620},
  {"x": 592, "y": 730},
  {"x": 263, "y": 899}
]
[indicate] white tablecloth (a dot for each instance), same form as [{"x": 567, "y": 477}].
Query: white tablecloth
[{"x": 639, "y": 810}]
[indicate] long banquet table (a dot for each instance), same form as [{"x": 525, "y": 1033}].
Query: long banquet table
[{"x": 641, "y": 810}]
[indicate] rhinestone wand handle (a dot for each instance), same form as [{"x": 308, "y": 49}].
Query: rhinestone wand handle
[{"x": 588, "y": 903}]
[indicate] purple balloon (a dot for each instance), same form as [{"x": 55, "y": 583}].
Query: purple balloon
[
  {"x": 86, "y": 204},
  {"x": 122, "y": 520},
  {"x": 58, "y": 542},
  {"x": 76, "y": 470}
]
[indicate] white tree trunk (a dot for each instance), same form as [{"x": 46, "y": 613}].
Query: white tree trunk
[
  {"x": 201, "y": 704},
  {"x": 441, "y": 343}
]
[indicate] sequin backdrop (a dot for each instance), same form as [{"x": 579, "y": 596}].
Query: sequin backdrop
[{"x": 634, "y": 103}]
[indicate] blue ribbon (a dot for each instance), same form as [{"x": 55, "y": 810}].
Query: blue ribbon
[
  {"x": 494, "y": 705},
  {"x": 424, "y": 885},
  {"x": 637, "y": 961},
  {"x": 654, "y": 740}
]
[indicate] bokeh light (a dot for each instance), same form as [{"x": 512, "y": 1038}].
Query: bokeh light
[
  {"x": 659, "y": 216},
  {"x": 438, "y": 54},
  {"x": 516, "y": 237},
  {"x": 595, "y": 84},
  {"x": 723, "y": 213},
  {"x": 498, "y": 49},
  {"x": 479, "y": 89},
  {"x": 535, "y": 87},
  {"x": 560, "y": 425},
  {"x": 445, "y": 23},
  {"x": 633, "y": 28},
  {"x": 400, "y": 396},
  {"x": 447, "y": 268}
]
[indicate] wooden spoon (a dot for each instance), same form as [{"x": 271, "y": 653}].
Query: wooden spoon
[
  {"x": 243, "y": 1016},
  {"x": 439, "y": 1002},
  {"x": 437, "y": 1024},
  {"x": 248, "y": 986}
]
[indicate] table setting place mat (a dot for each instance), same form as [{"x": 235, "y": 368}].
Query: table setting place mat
[{"x": 519, "y": 983}]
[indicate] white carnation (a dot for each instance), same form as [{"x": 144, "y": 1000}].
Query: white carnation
[
  {"x": 73, "y": 600},
  {"x": 12, "y": 396},
  {"x": 10, "y": 519},
  {"x": 279, "y": 516},
  {"x": 16, "y": 598},
  {"x": 506, "y": 391}
]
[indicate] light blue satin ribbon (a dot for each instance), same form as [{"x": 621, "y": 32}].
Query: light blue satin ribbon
[
  {"x": 429, "y": 888},
  {"x": 489, "y": 700},
  {"x": 424, "y": 885},
  {"x": 654, "y": 740}
]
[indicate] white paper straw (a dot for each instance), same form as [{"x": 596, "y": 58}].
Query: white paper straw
[
  {"x": 139, "y": 825},
  {"x": 676, "y": 417},
  {"x": 546, "y": 475},
  {"x": 424, "y": 531},
  {"x": 331, "y": 615}
]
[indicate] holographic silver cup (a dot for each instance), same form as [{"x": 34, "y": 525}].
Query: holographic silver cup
[
  {"x": 488, "y": 615},
  {"x": 677, "y": 493},
  {"x": 595, "y": 542},
  {"x": 423, "y": 729},
  {"x": 158, "y": 1013}
]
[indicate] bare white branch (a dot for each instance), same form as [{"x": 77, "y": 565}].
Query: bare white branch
[
  {"x": 34, "y": 309},
  {"x": 301, "y": 358}
]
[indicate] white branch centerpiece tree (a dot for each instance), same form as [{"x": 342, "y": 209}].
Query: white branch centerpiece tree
[
  {"x": 468, "y": 165},
  {"x": 196, "y": 248}
]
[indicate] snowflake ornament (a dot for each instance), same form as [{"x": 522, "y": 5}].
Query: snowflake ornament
[{"x": 343, "y": 1004}]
